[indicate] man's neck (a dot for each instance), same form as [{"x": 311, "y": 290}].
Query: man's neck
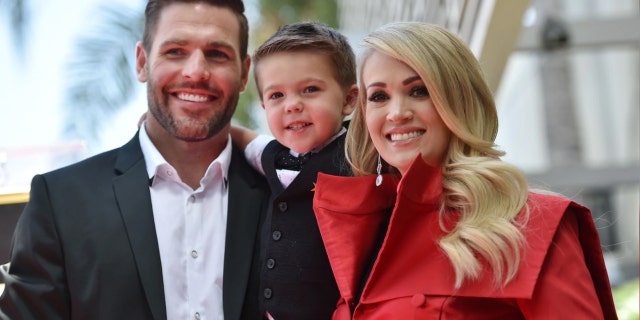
[{"x": 190, "y": 159}]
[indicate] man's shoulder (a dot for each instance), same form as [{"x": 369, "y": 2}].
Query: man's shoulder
[{"x": 103, "y": 160}]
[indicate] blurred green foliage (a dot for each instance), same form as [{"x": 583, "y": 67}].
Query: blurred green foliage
[{"x": 627, "y": 300}]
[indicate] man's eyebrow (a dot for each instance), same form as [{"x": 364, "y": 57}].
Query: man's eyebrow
[{"x": 183, "y": 42}]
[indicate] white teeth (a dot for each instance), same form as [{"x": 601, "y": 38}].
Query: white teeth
[
  {"x": 298, "y": 126},
  {"x": 192, "y": 97},
  {"x": 405, "y": 136}
]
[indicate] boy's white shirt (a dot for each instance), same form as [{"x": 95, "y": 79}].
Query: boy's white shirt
[
  {"x": 253, "y": 151},
  {"x": 253, "y": 154}
]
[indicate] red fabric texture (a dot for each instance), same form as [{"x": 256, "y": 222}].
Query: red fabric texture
[{"x": 562, "y": 274}]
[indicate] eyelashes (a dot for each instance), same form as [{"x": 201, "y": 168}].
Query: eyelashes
[{"x": 420, "y": 91}]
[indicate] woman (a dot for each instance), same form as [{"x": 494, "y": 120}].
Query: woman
[{"x": 448, "y": 231}]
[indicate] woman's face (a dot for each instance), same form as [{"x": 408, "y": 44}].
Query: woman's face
[{"x": 400, "y": 115}]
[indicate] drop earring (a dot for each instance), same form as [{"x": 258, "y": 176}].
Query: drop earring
[{"x": 379, "y": 170}]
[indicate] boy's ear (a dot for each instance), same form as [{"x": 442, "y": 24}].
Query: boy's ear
[{"x": 350, "y": 100}]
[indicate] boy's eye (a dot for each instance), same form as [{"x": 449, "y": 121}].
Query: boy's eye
[
  {"x": 311, "y": 89},
  {"x": 378, "y": 96},
  {"x": 419, "y": 91},
  {"x": 275, "y": 95}
]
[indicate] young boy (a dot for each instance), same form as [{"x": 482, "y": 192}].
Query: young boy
[{"x": 306, "y": 77}]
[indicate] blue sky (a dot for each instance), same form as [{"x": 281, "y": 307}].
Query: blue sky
[{"x": 32, "y": 90}]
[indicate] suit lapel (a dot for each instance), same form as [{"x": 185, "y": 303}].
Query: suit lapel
[
  {"x": 246, "y": 204},
  {"x": 131, "y": 188}
]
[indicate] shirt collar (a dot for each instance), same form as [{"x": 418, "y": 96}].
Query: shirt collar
[{"x": 153, "y": 159}]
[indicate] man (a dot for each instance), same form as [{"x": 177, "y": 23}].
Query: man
[{"x": 165, "y": 226}]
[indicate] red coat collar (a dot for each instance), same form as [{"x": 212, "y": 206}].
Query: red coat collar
[{"x": 350, "y": 209}]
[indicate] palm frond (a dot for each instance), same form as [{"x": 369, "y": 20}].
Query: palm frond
[
  {"x": 100, "y": 77},
  {"x": 18, "y": 22}
]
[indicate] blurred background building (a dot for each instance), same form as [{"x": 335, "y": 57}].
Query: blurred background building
[
  {"x": 567, "y": 83},
  {"x": 565, "y": 73}
]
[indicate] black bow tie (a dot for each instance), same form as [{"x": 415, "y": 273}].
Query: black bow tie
[{"x": 285, "y": 160}]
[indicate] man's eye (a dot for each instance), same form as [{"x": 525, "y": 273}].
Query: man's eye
[
  {"x": 377, "y": 96},
  {"x": 216, "y": 54},
  {"x": 174, "y": 52}
]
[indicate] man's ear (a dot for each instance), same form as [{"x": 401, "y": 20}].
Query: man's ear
[
  {"x": 141, "y": 61},
  {"x": 350, "y": 100},
  {"x": 246, "y": 64}
]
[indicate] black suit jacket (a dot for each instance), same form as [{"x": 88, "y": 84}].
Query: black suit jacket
[{"x": 85, "y": 246}]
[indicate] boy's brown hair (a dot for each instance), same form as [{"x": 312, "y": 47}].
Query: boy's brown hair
[{"x": 313, "y": 37}]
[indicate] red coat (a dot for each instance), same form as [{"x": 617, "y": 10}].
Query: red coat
[{"x": 562, "y": 274}]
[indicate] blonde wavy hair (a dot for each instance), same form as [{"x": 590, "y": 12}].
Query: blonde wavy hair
[{"x": 486, "y": 193}]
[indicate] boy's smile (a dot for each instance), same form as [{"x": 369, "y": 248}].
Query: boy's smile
[{"x": 304, "y": 102}]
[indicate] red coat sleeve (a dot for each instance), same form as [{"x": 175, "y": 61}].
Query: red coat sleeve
[{"x": 571, "y": 284}]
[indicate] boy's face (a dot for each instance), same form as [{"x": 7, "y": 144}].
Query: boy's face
[{"x": 304, "y": 102}]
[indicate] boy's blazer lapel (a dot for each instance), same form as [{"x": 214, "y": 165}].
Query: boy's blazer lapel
[{"x": 131, "y": 188}]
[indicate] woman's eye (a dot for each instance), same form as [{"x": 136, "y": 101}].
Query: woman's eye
[
  {"x": 378, "y": 96},
  {"x": 419, "y": 91}
]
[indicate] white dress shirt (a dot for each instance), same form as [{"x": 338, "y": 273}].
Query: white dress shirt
[{"x": 191, "y": 229}]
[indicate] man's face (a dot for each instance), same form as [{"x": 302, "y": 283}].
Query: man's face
[{"x": 193, "y": 71}]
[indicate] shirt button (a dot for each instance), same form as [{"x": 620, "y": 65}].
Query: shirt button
[
  {"x": 276, "y": 235},
  {"x": 194, "y": 254},
  {"x": 271, "y": 263},
  {"x": 282, "y": 206},
  {"x": 169, "y": 172},
  {"x": 268, "y": 293},
  {"x": 192, "y": 198},
  {"x": 197, "y": 315},
  {"x": 418, "y": 300}
]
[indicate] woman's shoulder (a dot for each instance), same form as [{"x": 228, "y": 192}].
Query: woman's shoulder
[{"x": 548, "y": 205}]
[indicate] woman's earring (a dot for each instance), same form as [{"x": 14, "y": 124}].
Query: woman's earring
[{"x": 379, "y": 169}]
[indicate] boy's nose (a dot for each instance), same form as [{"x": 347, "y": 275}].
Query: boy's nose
[{"x": 293, "y": 105}]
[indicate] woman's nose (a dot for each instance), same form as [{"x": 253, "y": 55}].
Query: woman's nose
[{"x": 399, "y": 111}]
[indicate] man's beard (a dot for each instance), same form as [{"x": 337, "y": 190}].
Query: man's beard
[{"x": 190, "y": 129}]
